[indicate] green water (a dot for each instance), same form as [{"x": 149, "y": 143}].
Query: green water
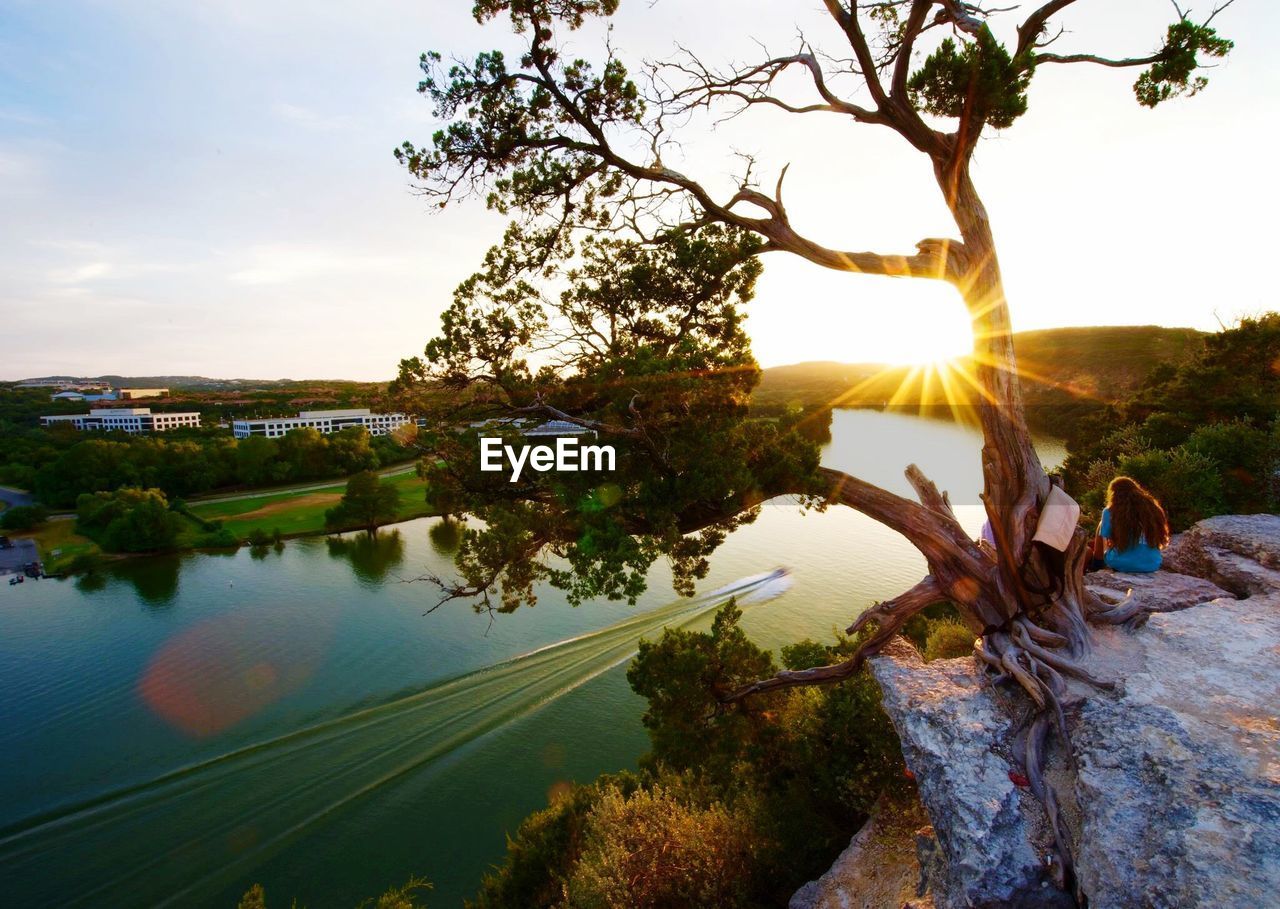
[{"x": 187, "y": 726}]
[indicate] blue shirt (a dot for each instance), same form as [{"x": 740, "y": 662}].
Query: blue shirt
[{"x": 1139, "y": 557}]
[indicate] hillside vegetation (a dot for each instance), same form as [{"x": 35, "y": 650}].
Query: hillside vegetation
[{"x": 1079, "y": 369}]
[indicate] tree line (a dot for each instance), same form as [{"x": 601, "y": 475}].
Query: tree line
[{"x": 183, "y": 465}]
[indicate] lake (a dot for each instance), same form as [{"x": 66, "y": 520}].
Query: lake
[{"x": 185, "y": 726}]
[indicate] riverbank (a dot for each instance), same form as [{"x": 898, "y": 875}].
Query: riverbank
[{"x": 287, "y": 514}]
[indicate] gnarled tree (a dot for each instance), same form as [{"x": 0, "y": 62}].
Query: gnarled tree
[{"x": 640, "y": 336}]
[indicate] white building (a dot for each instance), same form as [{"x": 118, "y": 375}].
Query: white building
[
  {"x": 125, "y": 419},
  {"x": 324, "y": 421}
]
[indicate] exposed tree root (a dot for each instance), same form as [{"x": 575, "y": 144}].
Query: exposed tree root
[{"x": 1031, "y": 619}]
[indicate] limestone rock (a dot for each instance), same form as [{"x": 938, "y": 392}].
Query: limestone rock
[
  {"x": 953, "y": 729},
  {"x": 879, "y": 870},
  {"x": 1159, "y": 591},
  {"x": 1178, "y": 778},
  {"x": 1240, "y": 553}
]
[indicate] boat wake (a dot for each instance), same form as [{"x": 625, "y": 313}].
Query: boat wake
[{"x": 225, "y": 815}]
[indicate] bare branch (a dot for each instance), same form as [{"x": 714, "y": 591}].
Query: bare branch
[
  {"x": 1101, "y": 61},
  {"x": 889, "y": 616},
  {"x": 1029, "y": 31},
  {"x": 847, "y": 19}
]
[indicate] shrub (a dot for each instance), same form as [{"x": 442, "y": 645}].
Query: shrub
[
  {"x": 402, "y": 897},
  {"x": 219, "y": 538},
  {"x": 653, "y": 850},
  {"x": 85, "y": 563},
  {"x": 947, "y": 640},
  {"x": 259, "y": 537},
  {"x": 1188, "y": 484},
  {"x": 128, "y": 520},
  {"x": 23, "y": 517},
  {"x": 1244, "y": 451},
  {"x": 541, "y": 855}
]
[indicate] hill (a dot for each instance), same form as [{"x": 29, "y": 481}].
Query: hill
[
  {"x": 1059, "y": 366},
  {"x": 192, "y": 383}
]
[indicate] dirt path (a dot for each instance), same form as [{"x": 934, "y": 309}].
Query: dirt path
[{"x": 303, "y": 501}]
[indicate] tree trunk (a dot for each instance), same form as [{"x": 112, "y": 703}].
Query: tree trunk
[{"x": 1028, "y": 608}]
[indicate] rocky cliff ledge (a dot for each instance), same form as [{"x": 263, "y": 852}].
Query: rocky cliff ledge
[{"x": 1172, "y": 788}]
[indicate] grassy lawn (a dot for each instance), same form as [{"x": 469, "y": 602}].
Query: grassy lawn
[
  {"x": 303, "y": 512},
  {"x": 58, "y": 543}
]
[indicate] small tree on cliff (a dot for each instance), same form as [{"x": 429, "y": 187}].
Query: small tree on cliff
[{"x": 646, "y": 341}]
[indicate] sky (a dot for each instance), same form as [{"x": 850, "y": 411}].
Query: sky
[{"x": 208, "y": 188}]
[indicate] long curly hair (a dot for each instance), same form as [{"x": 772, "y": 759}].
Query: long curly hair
[{"x": 1135, "y": 515}]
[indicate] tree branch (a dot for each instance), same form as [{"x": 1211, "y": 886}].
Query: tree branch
[
  {"x": 890, "y": 615},
  {"x": 1100, "y": 61},
  {"x": 1029, "y": 31}
]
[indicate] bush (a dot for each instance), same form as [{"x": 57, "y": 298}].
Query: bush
[
  {"x": 23, "y": 517},
  {"x": 737, "y": 805},
  {"x": 541, "y": 855},
  {"x": 947, "y": 640},
  {"x": 259, "y": 537},
  {"x": 1188, "y": 484},
  {"x": 219, "y": 538},
  {"x": 128, "y": 520},
  {"x": 402, "y": 897},
  {"x": 85, "y": 563},
  {"x": 653, "y": 850},
  {"x": 1247, "y": 458}
]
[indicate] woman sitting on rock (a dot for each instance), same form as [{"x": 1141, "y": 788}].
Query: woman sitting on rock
[{"x": 1133, "y": 530}]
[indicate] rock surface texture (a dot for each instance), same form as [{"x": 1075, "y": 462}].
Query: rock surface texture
[
  {"x": 1173, "y": 787},
  {"x": 1240, "y": 553},
  {"x": 1160, "y": 591},
  {"x": 1178, "y": 775},
  {"x": 880, "y": 868},
  {"x": 954, "y": 730}
]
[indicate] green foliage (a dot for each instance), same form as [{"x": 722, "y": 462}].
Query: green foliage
[
  {"x": 85, "y": 563},
  {"x": 23, "y": 517},
  {"x": 541, "y": 856},
  {"x": 367, "y": 503},
  {"x": 1172, "y": 74},
  {"x": 683, "y": 676},
  {"x": 650, "y": 345},
  {"x": 215, "y": 538},
  {"x": 1187, "y": 484},
  {"x": 185, "y": 466},
  {"x": 128, "y": 520},
  {"x": 737, "y": 804},
  {"x": 947, "y": 640},
  {"x": 402, "y": 897},
  {"x": 978, "y": 80},
  {"x": 1201, "y": 434}
]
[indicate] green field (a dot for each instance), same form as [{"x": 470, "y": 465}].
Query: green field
[
  {"x": 58, "y": 543},
  {"x": 294, "y": 513},
  {"x": 302, "y": 512}
]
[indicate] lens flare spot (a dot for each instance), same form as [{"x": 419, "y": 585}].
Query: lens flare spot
[
  {"x": 212, "y": 676},
  {"x": 558, "y": 791}
]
